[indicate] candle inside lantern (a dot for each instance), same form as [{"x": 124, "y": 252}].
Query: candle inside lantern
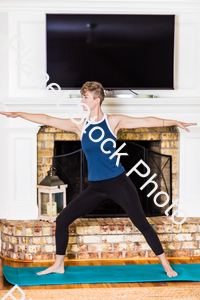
[{"x": 54, "y": 209}]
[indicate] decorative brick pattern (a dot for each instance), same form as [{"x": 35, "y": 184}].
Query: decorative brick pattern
[
  {"x": 45, "y": 144},
  {"x": 95, "y": 238}
]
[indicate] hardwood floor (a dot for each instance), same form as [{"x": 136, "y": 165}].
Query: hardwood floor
[{"x": 5, "y": 285}]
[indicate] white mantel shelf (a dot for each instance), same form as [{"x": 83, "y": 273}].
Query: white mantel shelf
[
  {"x": 115, "y": 101},
  {"x": 131, "y": 106}
]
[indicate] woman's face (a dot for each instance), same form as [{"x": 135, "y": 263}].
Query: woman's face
[{"x": 89, "y": 100}]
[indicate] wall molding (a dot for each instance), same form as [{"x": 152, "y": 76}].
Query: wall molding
[{"x": 90, "y": 6}]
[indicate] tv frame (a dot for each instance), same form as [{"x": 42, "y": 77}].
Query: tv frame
[{"x": 121, "y": 88}]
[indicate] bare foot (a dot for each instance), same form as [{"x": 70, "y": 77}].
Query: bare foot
[
  {"x": 170, "y": 272},
  {"x": 52, "y": 269}
]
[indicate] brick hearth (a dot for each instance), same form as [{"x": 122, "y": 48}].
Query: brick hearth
[{"x": 99, "y": 238}]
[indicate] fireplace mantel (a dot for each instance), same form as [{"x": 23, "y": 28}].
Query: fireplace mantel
[
  {"x": 19, "y": 180},
  {"x": 158, "y": 105}
]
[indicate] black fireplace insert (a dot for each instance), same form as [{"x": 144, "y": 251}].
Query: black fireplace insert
[{"x": 71, "y": 165}]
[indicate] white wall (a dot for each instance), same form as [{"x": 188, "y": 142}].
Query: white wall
[
  {"x": 4, "y": 198},
  {"x": 4, "y": 58},
  {"x": 3, "y": 121}
]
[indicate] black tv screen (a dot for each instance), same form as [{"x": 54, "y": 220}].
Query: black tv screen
[{"x": 119, "y": 51}]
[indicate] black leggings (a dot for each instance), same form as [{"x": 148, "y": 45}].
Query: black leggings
[{"x": 121, "y": 190}]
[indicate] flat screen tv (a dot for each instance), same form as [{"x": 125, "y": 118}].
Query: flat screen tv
[{"x": 121, "y": 51}]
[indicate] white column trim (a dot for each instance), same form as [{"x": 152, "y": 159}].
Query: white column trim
[
  {"x": 22, "y": 167},
  {"x": 189, "y": 176}
]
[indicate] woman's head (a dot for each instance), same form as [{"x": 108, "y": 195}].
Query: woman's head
[{"x": 95, "y": 88}]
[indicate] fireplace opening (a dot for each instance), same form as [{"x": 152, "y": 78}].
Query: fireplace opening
[{"x": 70, "y": 162}]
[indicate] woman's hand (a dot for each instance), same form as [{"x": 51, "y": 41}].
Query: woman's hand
[
  {"x": 9, "y": 114},
  {"x": 184, "y": 125}
]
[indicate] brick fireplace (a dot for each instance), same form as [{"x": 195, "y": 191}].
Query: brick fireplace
[
  {"x": 163, "y": 140},
  {"x": 102, "y": 238}
]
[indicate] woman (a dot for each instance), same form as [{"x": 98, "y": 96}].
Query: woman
[{"x": 106, "y": 176}]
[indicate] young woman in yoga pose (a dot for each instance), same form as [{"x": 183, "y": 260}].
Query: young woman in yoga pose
[{"x": 107, "y": 177}]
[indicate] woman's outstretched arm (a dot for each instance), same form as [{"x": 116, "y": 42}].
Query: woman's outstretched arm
[
  {"x": 63, "y": 124},
  {"x": 122, "y": 121}
]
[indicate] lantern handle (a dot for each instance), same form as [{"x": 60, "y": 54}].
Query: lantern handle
[{"x": 52, "y": 171}]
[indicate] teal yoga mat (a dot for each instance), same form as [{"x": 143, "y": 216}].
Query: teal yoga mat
[{"x": 101, "y": 274}]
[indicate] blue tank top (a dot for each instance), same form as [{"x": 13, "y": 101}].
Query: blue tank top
[{"x": 100, "y": 167}]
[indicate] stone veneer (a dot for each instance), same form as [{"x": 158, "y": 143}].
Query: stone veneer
[{"x": 101, "y": 238}]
